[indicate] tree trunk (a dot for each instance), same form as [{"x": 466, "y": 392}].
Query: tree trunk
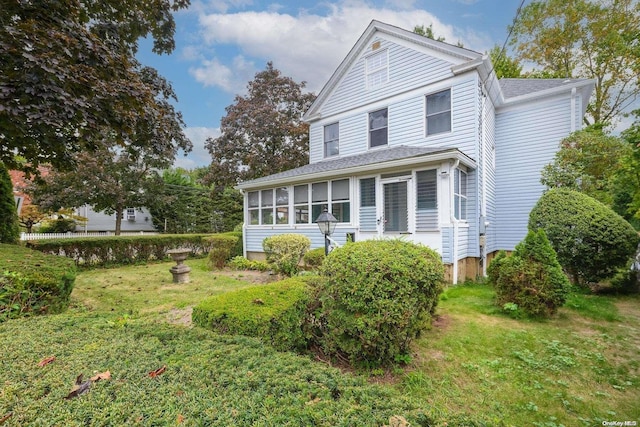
[{"x": 118, "y": 220}]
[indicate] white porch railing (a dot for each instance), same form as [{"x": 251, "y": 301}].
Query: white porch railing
[{"x": 39, "y": 236}]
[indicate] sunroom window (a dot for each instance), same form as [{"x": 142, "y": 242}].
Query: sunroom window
[
  {"x": 253, "y": 204},
  {"x": 266, "y": 207},
  {"x": 340, "y": 206},
  {"x": 460, "y": 194},
  {"x": 301, "y": 203},
  {"x": 282, "y": 205}
]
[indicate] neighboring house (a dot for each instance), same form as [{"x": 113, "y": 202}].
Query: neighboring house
[
  {"x": 416, "y": 138},
  {"x": 133, "y": 219}
]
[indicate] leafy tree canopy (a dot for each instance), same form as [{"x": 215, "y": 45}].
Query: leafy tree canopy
[
  {"x": 108, "y": 180},
  {"x": 503, "y": 65},
  {"x": 428, "y": 32},
  {"x": 587, "y": 161},
  {"x": 585, "y": 39},
  {"x": 263, "y": 132},
  {"x": 68, "y": 72}
]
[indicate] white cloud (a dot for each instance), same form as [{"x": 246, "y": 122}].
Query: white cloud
[
  {"x": 199, "y": 156},
  {"x": 306, "y": 47}
]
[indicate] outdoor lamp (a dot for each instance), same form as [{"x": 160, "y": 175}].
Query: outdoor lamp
[{"x": 326, "y": 223}]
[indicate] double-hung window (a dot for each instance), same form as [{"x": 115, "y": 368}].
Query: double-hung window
[
  {"x": 377, "y": 66},
  {"x": 301, "y": 203},
  {"x": 266, "y": 206},
  {"x": 282, "y": 205},
  {"x": 439, "y": 112},
  {"x": 331, "y": 140},
  {"x": 340, "y": 206},
  {"x": 378, "y": 127},
  {"x": 460, "y": 194},
  {"x": 253, "y": 202},
  {"x": 319, "y": 199}
]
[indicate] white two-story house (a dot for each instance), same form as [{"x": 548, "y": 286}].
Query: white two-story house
[{"x": 418, "y": 139}]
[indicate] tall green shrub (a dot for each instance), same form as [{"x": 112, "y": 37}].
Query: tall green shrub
[
  {"x": 9, "y": 226},
  {"x": 222, "y": 247},
  {"x": 285, "y": 251},
  {"x": 531, "y": 277},
  {"x": 592, "y": 241},
  {"x": 376, "y": 297}
]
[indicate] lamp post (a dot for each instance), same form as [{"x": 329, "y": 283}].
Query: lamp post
[{"x": 326, "y": 223}]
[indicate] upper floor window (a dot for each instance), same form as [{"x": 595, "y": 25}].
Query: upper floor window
[
  {"x": 378, "y": 128},
  {"x": 460, "y": 194},
  {"x": 377, "y": 69},
  {"x": 331, "y": 139},
  {"x": 439, "y": 112}
]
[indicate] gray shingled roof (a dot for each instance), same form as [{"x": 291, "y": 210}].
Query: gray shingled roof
[
  {"x": 368, "y": 158},
  {"x": 512, "y": 88}
]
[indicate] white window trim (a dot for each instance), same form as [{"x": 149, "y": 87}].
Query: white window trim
[{"x": 324, "y": 141}]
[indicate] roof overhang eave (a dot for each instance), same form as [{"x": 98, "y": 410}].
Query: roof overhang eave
[{"x": 453, "y": 154}]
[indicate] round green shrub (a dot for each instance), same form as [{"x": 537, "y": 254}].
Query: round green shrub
[
  {"x": 285, "y": 251},
  {"x": 531, "y": 278},
  {"x": 222, "y": 247},
  {"x": 314, "y": 257},
  {"x": 376, "y": 297},
  {"x": 591, "y": 240}
]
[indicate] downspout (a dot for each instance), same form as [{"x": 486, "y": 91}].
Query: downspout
[{"x": 454, "y": 221}]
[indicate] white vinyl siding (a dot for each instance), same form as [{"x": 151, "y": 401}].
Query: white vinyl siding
[
  {"x": 527, "y": 138},
  {"x": 408, "y": 68}
]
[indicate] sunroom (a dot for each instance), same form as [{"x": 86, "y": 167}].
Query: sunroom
[{"x": 410, "y": 192}]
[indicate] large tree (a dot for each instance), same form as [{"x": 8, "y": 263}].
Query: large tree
[
  {"x": 596, "y": 39},
  {"x": 262, "y": 132},
  {"x": 110, "y": 181},
  {"x": 185, "y": 205},
  {"x": 68, "y": 72},
  {"x": 504, "y": 65},
  {"x": 587, "y": 161}
]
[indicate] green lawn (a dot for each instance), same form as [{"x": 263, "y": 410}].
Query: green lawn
[{"x": 475, "y": 367}]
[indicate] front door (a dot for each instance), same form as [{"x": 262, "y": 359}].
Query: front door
[{"x": 395, "y": 219}]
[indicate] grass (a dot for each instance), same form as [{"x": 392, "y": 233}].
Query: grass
[
  {"x": 580, "y": 368},
  {"x": 476, "y": 366}
]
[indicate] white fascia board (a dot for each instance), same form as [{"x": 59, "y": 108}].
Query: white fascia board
[{"x": 358, "y": 170}]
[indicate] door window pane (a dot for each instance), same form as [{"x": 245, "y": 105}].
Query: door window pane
[{"x": 395, "y": 207}]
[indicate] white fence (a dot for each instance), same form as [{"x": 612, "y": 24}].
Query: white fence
[{"x": 39, "y": 236}]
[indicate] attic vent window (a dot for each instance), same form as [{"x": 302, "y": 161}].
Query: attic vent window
[
  {"x": 377, "y": 67},
  {"x": 375, "y": 46}
]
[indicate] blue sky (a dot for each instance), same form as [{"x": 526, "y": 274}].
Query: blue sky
[{"x": 222, "y": 44}]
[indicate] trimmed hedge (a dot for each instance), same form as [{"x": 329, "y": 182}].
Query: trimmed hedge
[
  {"x": 33, "y": 283},
  {"x": 220, "y": 252},
  {"x": 123, "y": 250},
  {"x": 376, "y": 297},
  {"x": 274, "y": 312},
  {"x": 591, "y": 240},
  {"x": 285, "y": 251}
]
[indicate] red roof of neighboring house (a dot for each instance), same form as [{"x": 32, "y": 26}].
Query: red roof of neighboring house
[{"x": 20, "y": 181}]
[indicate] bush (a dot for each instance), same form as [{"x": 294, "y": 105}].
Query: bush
[
  {"x": 32, "y": 282},
  {"x": 9, "y": 228},
  {"x": 376, "y": 297},
  {"x": 285, "y": 251},
  {"x": 592, "y": 241},
  {"x": 241, "y": 263},
  {"x": 531, "y": 278},
  {"x": 220, "y": 252},
  {"x": 274, "y": 312},
  {"x": 121, "y": 250},
  {"x": 314, "y": 258}
]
